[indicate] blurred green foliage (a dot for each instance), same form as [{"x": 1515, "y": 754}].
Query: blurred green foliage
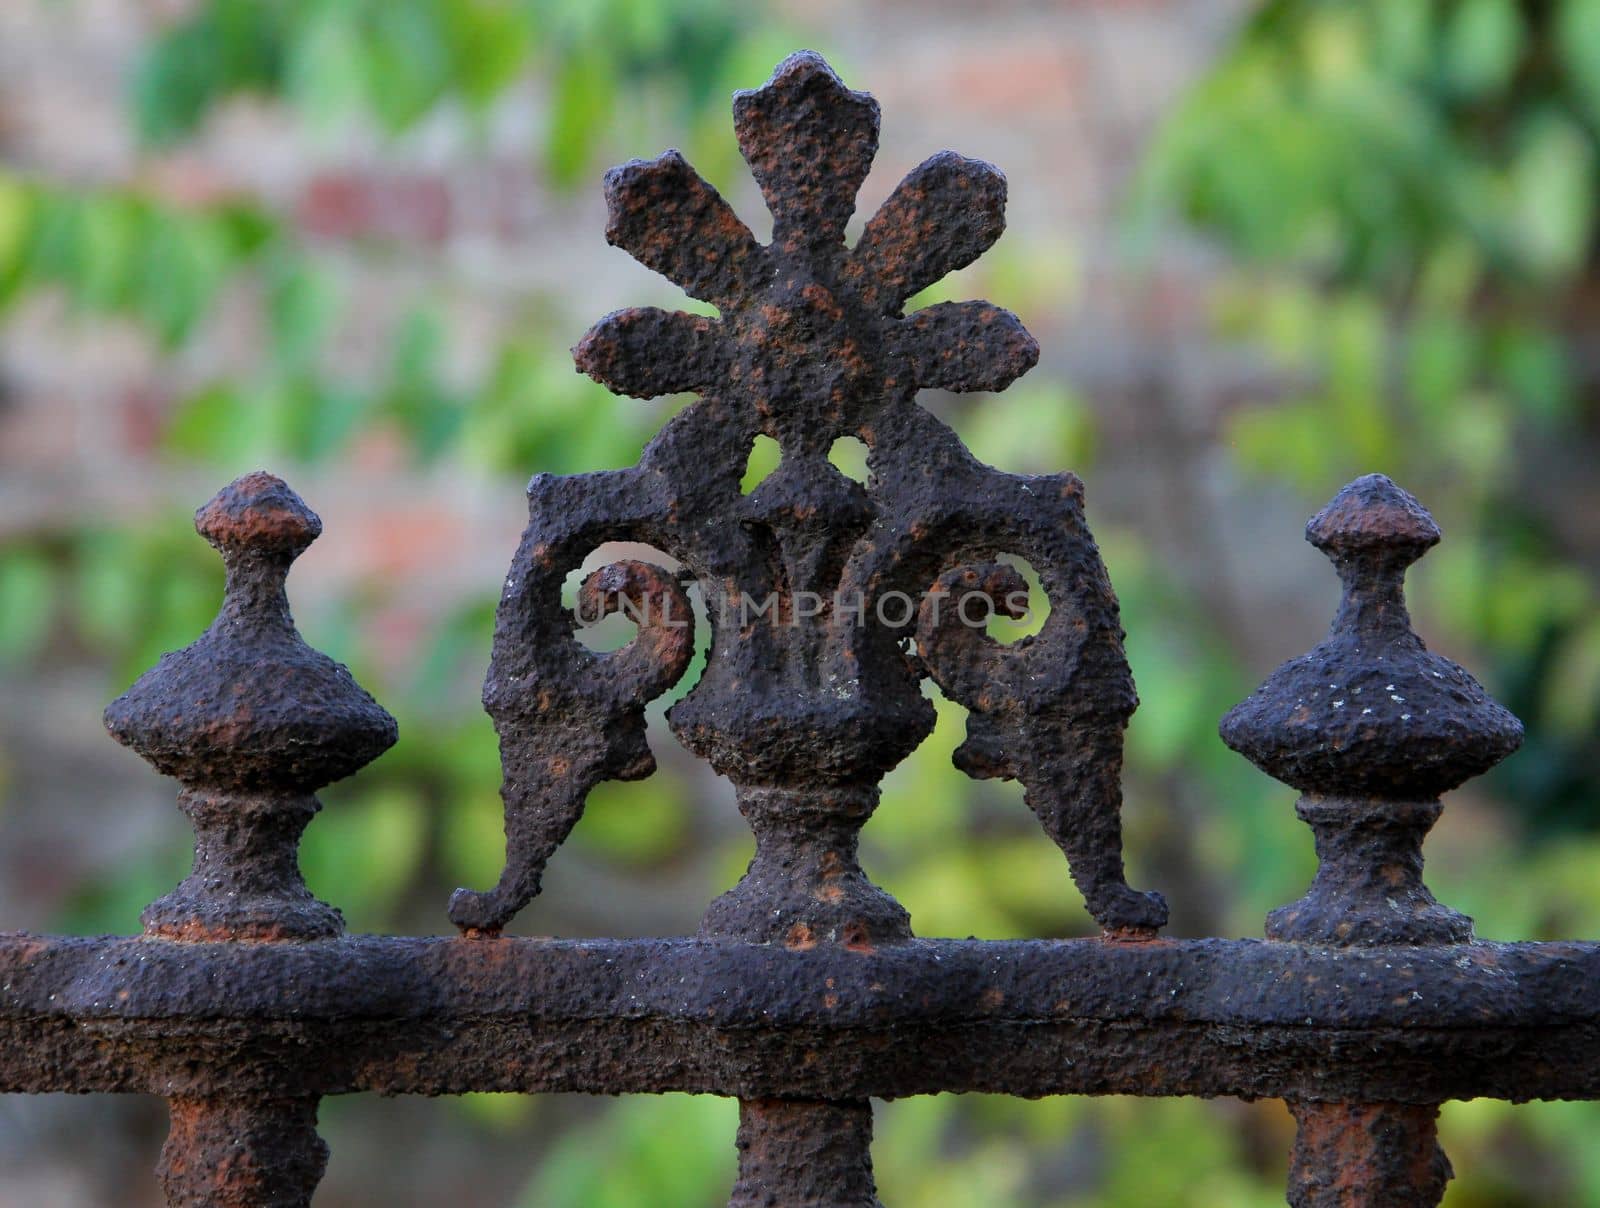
[
  {"x": 1408, "y": 191},
  {"x": 396, "y": 61}
]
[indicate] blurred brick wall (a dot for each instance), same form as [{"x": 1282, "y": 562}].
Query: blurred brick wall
[{"x": 1062, "y": 96}]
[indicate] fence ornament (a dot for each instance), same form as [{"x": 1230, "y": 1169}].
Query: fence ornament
[
  {"x": 1372, "y": 728},
  {"x": 808, "y": 696},
  {"x": 252, "y": 722},
  {"x": 805, "y": 993}
]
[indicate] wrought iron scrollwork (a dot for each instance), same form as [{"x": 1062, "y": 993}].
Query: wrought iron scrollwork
[{"x": 813, "y": 582}]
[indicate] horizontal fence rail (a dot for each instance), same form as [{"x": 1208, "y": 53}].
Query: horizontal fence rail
[
  {"x": 440, "y": 1016},
  {"x": 805, "y": 993}
]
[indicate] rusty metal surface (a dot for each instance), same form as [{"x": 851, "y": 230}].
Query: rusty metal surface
[
  {"x": 1348, "y": 1155},
  {"x": 1372, "y": 728},
  {"x": 813, "y": 582},
  {"x": 799, "y": 1153},
  {"x": 226, "y": 1152},
  {"x": 251, "y": 721},
  {"x": 805, "y": 993},
  {"x": 441, "y": 1016},
  {"x": 811, "y": 690}
]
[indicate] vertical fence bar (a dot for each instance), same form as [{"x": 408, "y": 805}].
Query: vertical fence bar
[
  {"x": 804, "y": 1154},
  {"x": 252, "y": 722},
  {"x": 805, "y": 888},
  {"x": 224, "y": 1152},
  {"x": 1352, "y": 1155}
]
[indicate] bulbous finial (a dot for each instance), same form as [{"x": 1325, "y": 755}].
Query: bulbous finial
[
  {"x": 249, "y": 703},
  {"x": 1372, "y": 728},
  {"x": 1373, "y": 516},
  {"x": 1370, "y": 710},
  {"x": 251, "y": 721},
  {"x": 258, "y": 514}
]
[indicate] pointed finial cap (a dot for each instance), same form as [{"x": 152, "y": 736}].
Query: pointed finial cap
[
  {"x": 1372, "y": 513},
  {"x": 249, "y": 703},
  {"x": 1370, "y": 712}
]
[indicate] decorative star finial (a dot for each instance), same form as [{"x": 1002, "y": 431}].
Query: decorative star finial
[
  {"x": 811, "y": 334},
  {"x": 812, "y": 683}
]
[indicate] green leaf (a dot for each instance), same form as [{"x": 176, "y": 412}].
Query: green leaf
[
  {"x": 363, "y": 851},
  {"x": 637, "y": 825},
  {"x": 182, "y": 265},
  {"x": 765, "y": 454},
  {"x": 18, "y": 224},
  {"x": 16, "y": 218},
  {"x": 1573, "y": 695},
  {"x": 322, "y": 418},
  {"x": 325, "y": 72},
  {"x": 27, "y": 604},
  {"x": 646, "y": 1149},
  {"x": 407, "y": 60},
  {"x": 1482, "y": 41},
  {"x": 1533, "y": 363},
  {"x": 1552, "y": 197},
  {"x": 174, "y": 84},
  {"x": 1577, "y": 43},
  {"x": 1440, "y": 358},
  {"x": 200, "y": 426},
  {"x": 580, "y": 110},
  {"x": 110, "y": 229},
  {"x": 1296, "y": 442},
  {"x": 224, "y": 47},
  {"x": 107, "y": 582},
  {"x": 302, "y": 303},
  {"x": 1402, "y": 31},
  {"x": 489, "y": 43}
]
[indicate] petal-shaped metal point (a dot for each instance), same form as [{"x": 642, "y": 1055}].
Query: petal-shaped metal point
[
  {"x": 646, "y": 352},
  {"x": 946, "y": 213},
  {"x": 664, "y": 214},
  {"x": 966, "y": 346},
  {"x": 809, "y": 142}
]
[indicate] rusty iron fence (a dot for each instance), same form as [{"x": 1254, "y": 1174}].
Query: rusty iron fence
[{"x": 805, "y": 992}]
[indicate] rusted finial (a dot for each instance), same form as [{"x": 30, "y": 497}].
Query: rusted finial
[
  {"x": 1372, "y": 728},
  {"x": 251, "y": 721}
]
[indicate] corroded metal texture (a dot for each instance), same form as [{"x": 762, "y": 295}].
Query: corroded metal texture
[
  {"x": 811, "y": 689},
  {"x": 432, "y": 1016},
  {"x": 1372, "y": 728},
  {"x": 1367, "y": 1155},
  {"x": 830, "y": 601},
  {"x": 226, "y": 1152},
  {"x": 252, "y": 722},
  {"x": 812, "y": 582},
  {"x": 1371, "y": 712},
  {"x": 795, "y": 1153}
]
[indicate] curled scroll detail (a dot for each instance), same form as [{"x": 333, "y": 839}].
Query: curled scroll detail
[
  {"x": 578, "y": 728},
  {"x": 1048, "y": 711}
]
